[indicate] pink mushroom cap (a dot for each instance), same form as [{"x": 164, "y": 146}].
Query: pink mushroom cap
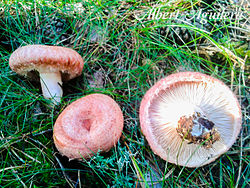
[
  {"x": 44, "y": 58},
  {"x": 90, "y": 124},
  {"x": 53, "y": 64},
  {"x": 179, "y": 95}
]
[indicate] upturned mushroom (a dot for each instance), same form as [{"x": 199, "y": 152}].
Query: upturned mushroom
[
  {"x": 190, "y": 118},
  {"x": 53, "y": 63},
  {"x": 90, "y": 124}
]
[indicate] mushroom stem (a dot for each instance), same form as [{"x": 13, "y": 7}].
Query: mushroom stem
[
  {"x": 51, "y": 86},
  {"x": 198, "y": 129}
]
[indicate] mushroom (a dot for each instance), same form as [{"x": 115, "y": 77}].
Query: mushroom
[
  {"x": 190, "y": 118},
  {"x": 53, "y": 63},
  {"x": 89, "y": 124}
]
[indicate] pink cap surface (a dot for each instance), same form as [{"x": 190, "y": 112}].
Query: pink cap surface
[
  {"x": 44, "y": 58},
  {"x": 91, "y": 123}
]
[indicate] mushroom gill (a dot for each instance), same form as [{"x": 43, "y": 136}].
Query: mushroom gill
[{"x": 192, "y": 120}]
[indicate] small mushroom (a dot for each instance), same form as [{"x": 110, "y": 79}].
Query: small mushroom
[
  {"x": 53, "y": 63},
  {"x": 190, "y": 118},
  {"x": 89, "y": 124}
]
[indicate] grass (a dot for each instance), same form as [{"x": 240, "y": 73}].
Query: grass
[{"x": 124, "y": 58}]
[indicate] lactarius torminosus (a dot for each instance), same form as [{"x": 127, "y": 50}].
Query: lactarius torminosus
[
  {"x": 190, "y": 118},
  {"x": 89, "y": 124},
  {"x": 52, "y": 63}
]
